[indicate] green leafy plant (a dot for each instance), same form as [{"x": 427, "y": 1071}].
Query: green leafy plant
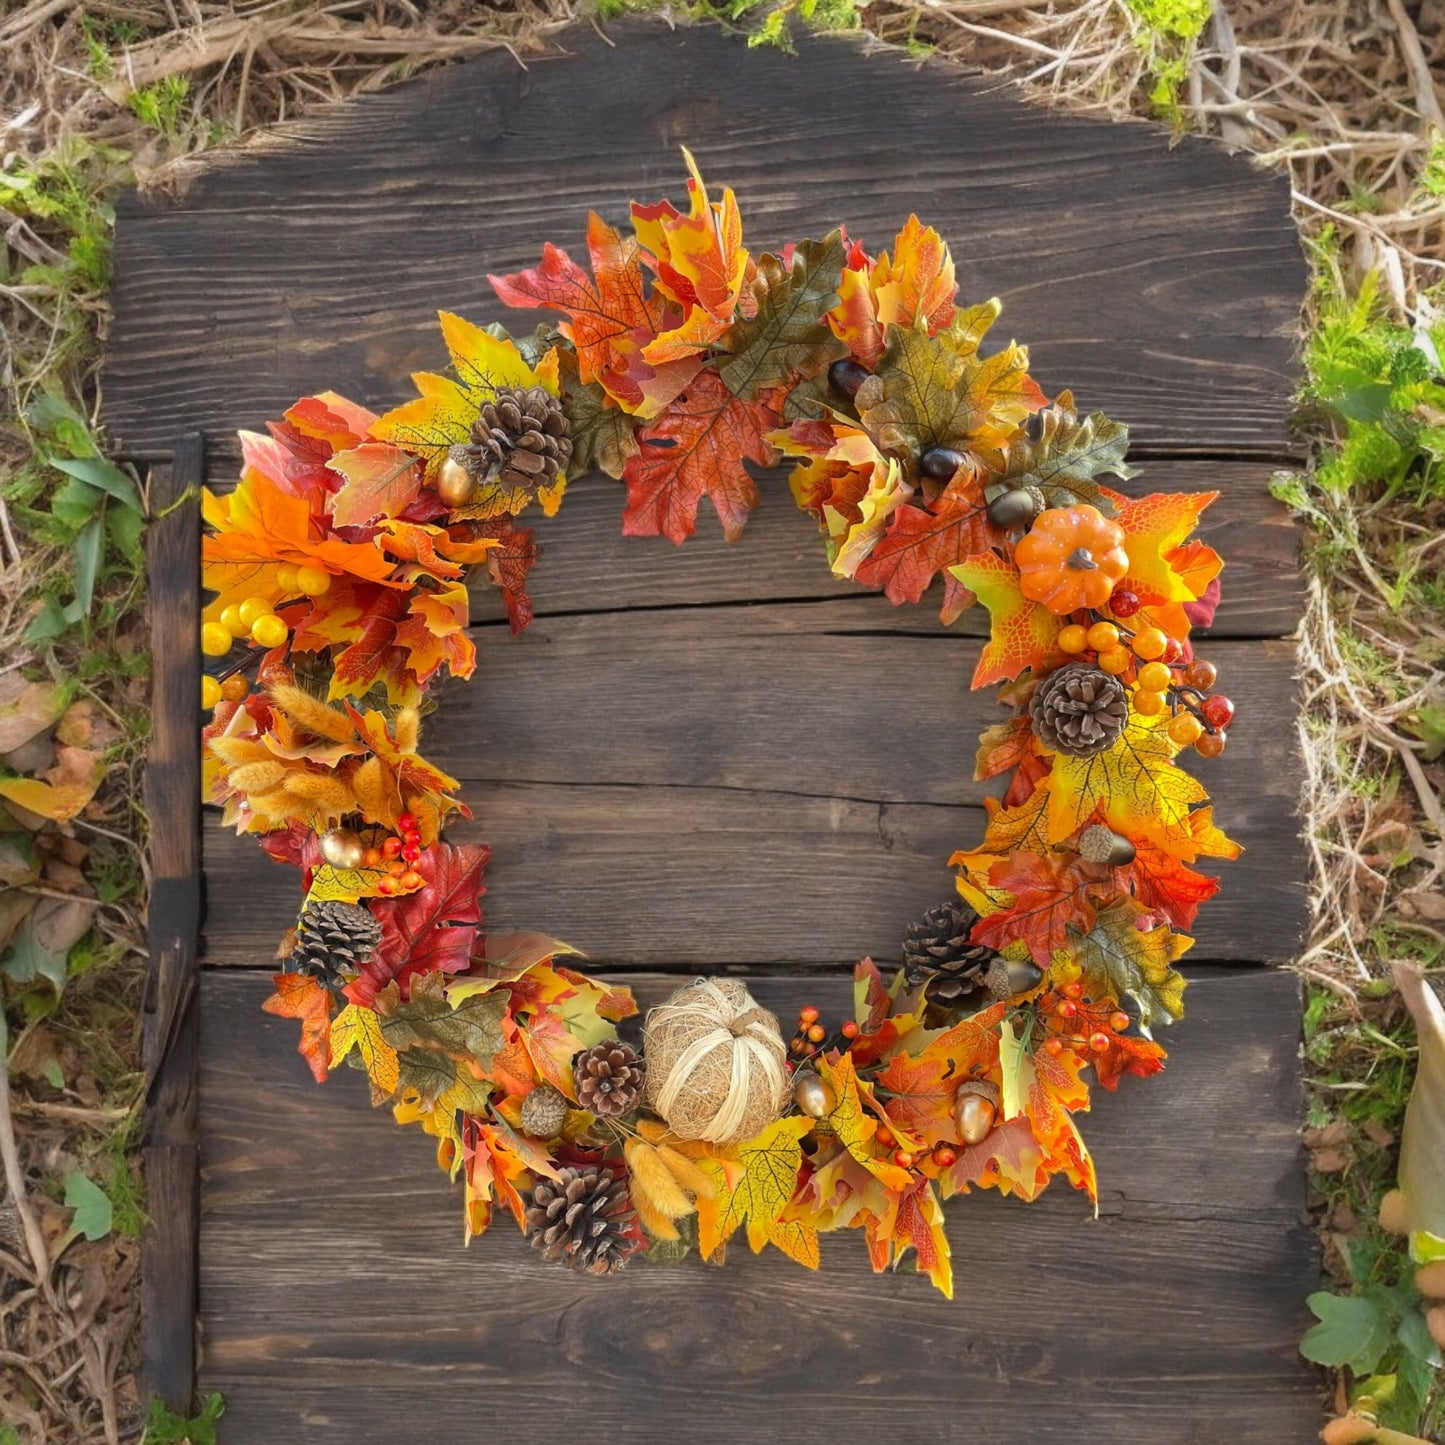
[
  {"x": 1167, "y": 32},
  {"x": 165, "y": 1427}
]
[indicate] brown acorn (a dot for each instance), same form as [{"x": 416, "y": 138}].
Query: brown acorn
[{"x": 456, "y": 484}]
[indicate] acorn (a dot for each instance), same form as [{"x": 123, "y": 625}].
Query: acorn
[
  {"x": 1103, "y": 845},
  {"x": 814, "y": 1096},
  {"x": 846, "y": 376},
  {"x": 342, "y": 848},
  {"x": 975, "y": 1107},
  {"x": 939, "y": 464},
  {"x": 455, "y": 484},
  {"x": 1023, "y": 976},
  {"x": 1016, "y": 507}
]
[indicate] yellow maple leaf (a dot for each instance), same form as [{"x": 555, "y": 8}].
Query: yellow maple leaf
[
  {"x": 1154, "y": 526},
  {"x": 359, "y": 1028},
  {"x": 757, "y": 1189},
  {"x": 856, "y": 1127},
  {"x": 442, "y": 416},
  {"x": 1134, "y": 785}
]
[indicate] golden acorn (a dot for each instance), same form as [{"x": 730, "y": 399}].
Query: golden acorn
[
  {"x": 456, "y": 485},
  {"x": 975, "y": 1107},
  {"x": 342, "y": 848},
  {"x": 813, "y": 1095}
]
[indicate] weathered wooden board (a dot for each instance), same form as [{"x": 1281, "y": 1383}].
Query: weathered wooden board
[
  {"x": 1160, "y": 282},
  {"x": 765, "y": 786},
  {"x": 340, "y": 1306},
  {"x": 714, "y": 757},
  {"x": 587, "y": 565}
]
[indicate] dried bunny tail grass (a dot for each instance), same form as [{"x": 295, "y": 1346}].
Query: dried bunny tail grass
[
  {"x": 716, "y": 1062},
  {"x": 374, "y": 789},
  {"x": 312, "y": 715},
  {"x": 407, "y": 730},
  {"x": 652, "y": 1181},
  {"x": 698, "y": 1182},
  {"x": 238, "y": 751},
  {"x": 257, "y": 777},
  {"x": 657, "y": 1224},
  {"x": 328, "y": 793}
]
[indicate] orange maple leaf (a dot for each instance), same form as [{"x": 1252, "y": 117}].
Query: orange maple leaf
[
  {"x": 1023, "y": 634},
  {"x": 696, "y": 449},
  {"x": 611, "y": 317},
  {"x": 919, "y": 544},
  {"x": 1048, "y": 892},
  {"x": 299, "y": 997}
]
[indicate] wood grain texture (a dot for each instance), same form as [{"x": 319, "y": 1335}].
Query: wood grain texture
[
  {"x": 171, "y": 1030},
  {"x": 763, "y": 788},
  {"x": 587, "y": 565},
  {"x": 1160, "y": 282},
  {"x": 340, "y": 1306}
]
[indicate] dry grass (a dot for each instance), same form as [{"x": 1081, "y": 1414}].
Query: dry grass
[{"x": 1339, "y": 92}]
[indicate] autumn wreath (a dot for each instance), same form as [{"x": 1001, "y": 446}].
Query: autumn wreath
[{"x": 338, "y": 565}]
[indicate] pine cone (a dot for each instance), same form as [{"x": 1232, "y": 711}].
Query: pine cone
[
  {"x": 544, "y": 1112},
  {"x": 584, "y": 1220},
  {"x": 609, "y": 1078},
  {"x": 1080, "y": 710},
  {"x": 332, "y": 936},
  {"x": 937, "y": 952},
  {"x": 519, "y": 439}
]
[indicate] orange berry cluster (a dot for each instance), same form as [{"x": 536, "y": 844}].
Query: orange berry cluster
[
  {"x": 810, "y": 1038},
  {"x": 1063, "y": 1009},
  {"x": 1195, "y": 720}
]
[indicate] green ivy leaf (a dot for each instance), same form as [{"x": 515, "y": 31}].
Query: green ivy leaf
[
  {"x": 93, "y": 1214},
  {"x": 1353, "y": 1330}
]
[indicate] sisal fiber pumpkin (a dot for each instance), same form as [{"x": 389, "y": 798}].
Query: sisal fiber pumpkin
[{"x": 716, "y": 1062}]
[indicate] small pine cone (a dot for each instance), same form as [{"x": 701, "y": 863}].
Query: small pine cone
[
  {"x": 332, "y": 937},
  {"x": 519, "y": 439},
  {"x": 1079, "y": 710},
  {"x": 609, "y": 1078},
  {"x": 544, "y": 1112},
  {"x": 583, "y": 1219},
  {"x": 937, "y": 952}
]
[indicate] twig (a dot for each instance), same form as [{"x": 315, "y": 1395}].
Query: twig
[
  {"x": 15, "y": 1177},
  {"x": 1426, "y": 101}
]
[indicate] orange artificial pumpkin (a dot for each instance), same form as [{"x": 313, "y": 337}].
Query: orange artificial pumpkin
[{"x": 1071, "y": 557}]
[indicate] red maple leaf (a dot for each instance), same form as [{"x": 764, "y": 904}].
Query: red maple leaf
[
  {"x": 299, "y": 997},
  {"x": 919, "y": 544},
  {"x": 1166, "y": 886},
  {"x": 1050, "y": 892},
  {"x": 696, "y": 449},
  {"x": 508, "y": 566},
  {"x": 431, "y": 930}
]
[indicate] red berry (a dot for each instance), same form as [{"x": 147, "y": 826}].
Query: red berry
[
  {"x": 1119, "y": 1021},
  {"x": 1218, "y": 711},
  {"x": 411, "y": 880},
  {"x": 885, "y": 1136},
  {"x": 903, "y": 1159},
  {"x": 1067, "y": 1009},
  {"x": 396, "y": 868},
  {"x": 1201, "y": 674},
  {"x": 1099, "y": 1042},
  {"x": 817, "y": 1033},
  {"x": 849, "y": 1030},
  {"x": 944, "y": 1155},
  {"x": 387, "y": 886},
  {"x": 1073, "y": 990},
  {"x": 1124, "y": 603},
  {"x": 407, "y": 823},
  {"x": 1172, "y": 651},
  {"x": 808, "y": 1015},
  {"x": 411, "y": 851},
  {"x": 391, "y": 848},
  {"x": 1054, "y": 1047}
]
